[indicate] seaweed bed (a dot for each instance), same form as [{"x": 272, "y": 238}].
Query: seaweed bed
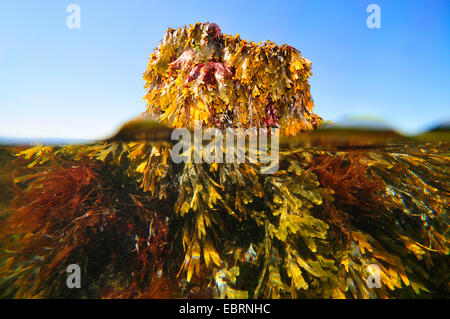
[{"x": 141, "y": 226}]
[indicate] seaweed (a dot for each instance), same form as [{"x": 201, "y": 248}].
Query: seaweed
[{"x": 142, "y": 226}]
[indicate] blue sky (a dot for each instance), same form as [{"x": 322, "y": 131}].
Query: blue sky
[{"x": 83, "y": 83}]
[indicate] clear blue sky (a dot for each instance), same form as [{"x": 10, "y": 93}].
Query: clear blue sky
[{"x": 84, "y": 83}]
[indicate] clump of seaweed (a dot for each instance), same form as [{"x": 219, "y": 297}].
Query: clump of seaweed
[
  {"x": 345, "y": 174},
  {"x": 198, "y": 73}
]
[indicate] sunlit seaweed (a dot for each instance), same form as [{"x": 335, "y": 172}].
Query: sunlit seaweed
[{"x": 198, "y": 73}]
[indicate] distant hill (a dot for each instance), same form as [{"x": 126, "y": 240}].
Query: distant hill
[
  {"x": 362, "y": 123},
  {"x": 441, "y": 127},
  {"x": 47, "y": 141}
]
